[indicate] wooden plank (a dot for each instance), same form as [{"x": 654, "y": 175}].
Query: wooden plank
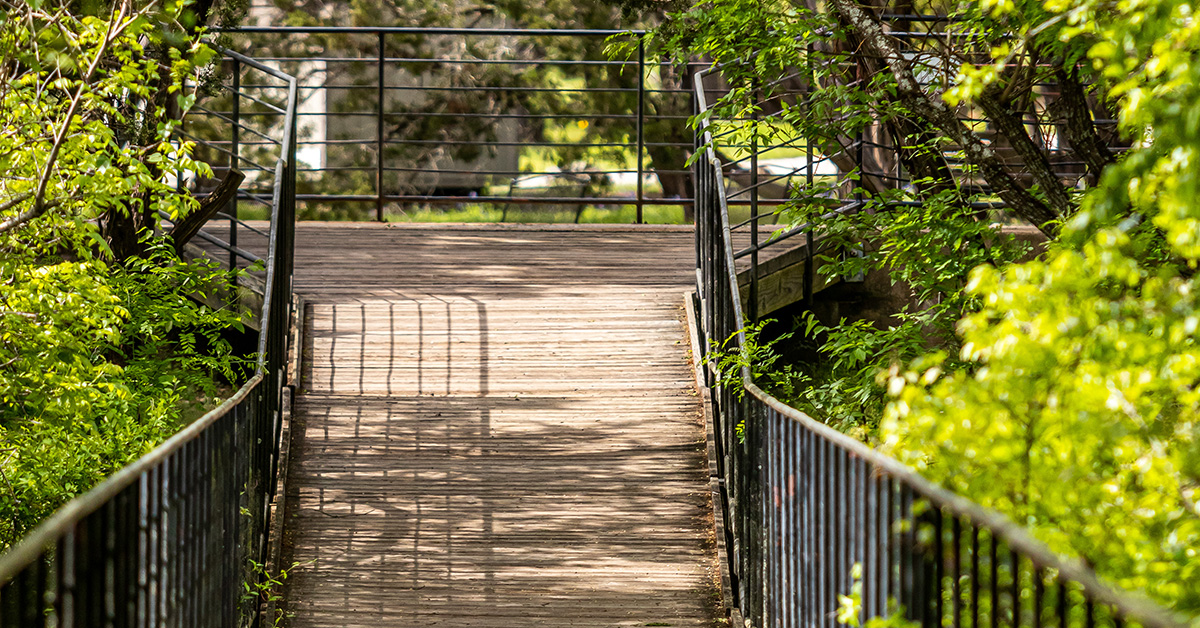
[{"x": 498, "y": 427}]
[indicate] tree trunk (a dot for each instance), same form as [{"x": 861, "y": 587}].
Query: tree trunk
[{"x": 911, "y": 94}]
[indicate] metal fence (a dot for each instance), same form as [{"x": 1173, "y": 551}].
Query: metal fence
[
  {"x": 763, "y": 170},
  {"x": 393, "y": 120},
  {"x": 821, "y": 530},
  {"x": 167, "y": 540}
]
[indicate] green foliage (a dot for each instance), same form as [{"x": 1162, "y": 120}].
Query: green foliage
[
  {"x": 1061, "y": 391},
  {"x": 80, "y": 90},
  {"x": 264, "y": 590},
  {"x": 1082, "y": 403},
  {"x": 1081, "y": 393},
  {"x": 103, "y": 351},
  {"x": 841, "y": 389},
  {"x": 101, "y": 363},
  {"x": 760, "y": 358},
  {"x": 926, "y": 236},
  {"x": 850, "y": 607},
  {"x": 733, "y": 359},
  {"x": 930, "y": 247}
]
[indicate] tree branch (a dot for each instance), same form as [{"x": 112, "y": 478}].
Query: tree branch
[
  {"x": 1079, "y": 128},
  {"x": 187, "y": 228},
  {"x": 1012, "y": 127},
  {"x": 114, "y": 28},
  {"x": 912, "y": 96},
  {"x": 8, "y": 224}
]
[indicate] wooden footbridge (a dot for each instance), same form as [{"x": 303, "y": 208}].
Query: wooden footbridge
[
  {"x": 502, "y": 426},
  {"x": 498, "y": 426}
]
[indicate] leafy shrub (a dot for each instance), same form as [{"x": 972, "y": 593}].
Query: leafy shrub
[
  {"x": 103, "y": 353},
  {"x": 101, "y": 363}
]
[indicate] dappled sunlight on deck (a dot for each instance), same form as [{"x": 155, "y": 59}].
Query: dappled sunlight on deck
[{"x": 499, "y": 426}]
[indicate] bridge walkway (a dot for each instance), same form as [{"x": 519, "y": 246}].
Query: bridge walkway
[{"x": 497, "y": 426}]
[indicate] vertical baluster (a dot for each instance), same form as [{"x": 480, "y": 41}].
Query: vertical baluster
[
  {"x": 956, "y": 573},
  {"x": 380, "y": 110},
  {"x": 641, "y": 115},
  {"x": 1039, "y": 577},
  {"x": 974, "y": 607},
  {"x": 1015, "y": 593},
  {"x": 235, "y": 149},
  {"x": 994, "y": 579},
  {"x": 1064, "y": 591}
]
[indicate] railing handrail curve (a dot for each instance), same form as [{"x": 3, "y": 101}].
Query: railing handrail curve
[
  {"x": 1131, "y": 605},
  {"x": 31, "y": 546},
  {"x": 429, "y": 30}
]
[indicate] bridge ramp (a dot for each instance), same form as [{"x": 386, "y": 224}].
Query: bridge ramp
[{"x": 498, "y": 428}]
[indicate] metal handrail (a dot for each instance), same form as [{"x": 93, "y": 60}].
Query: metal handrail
[
  {"x": 430, "y": 30},
  {"x": 32, "y": 546},
  {"x": 442, "y": 167},
  {"x": 163, "y": 541},
  {"x": 1133, "y": 607},
  {"x": 803, "y": 504}
]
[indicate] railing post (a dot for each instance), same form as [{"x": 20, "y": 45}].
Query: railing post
[
  {"x": 379, "y": 134},
  {"x": 697, "y": 169},
  {"x": 236, "y": 112},
  {"x": 641, "y": 114},
  {"x": 809, "y": 271},
  {"x": 754, "y": 205}
]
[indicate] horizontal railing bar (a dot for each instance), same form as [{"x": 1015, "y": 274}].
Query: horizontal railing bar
[
  {"x": 258, "y": 197},
  {"x": 352, "y": 142},
  {"x": 356, "y": 141},
  {"x": 217, "y": 147},
  {"x": 776, "y": 201},
  {"x": 243, "y": 94},
  {"x": 449, "y": 61},
  {"x": 494, "y": 200},
  {"x": 486, "y": 88},
  {"x": 502, "y": 88},
  {"x": 209, "y": 112},
  {"x": 211, "y": 239},
  {"x": 755, "y": 218},
  {"x": 509, "y": 173},
  {"x": 504, "y": 174},
  {"x": 797, "y": 230},
  {"x": 916, "y": 17},
  {"x": 244, "y": 224},
  {"x": 252, "y": 63},
  {"x": 773, "y": 179},
  {"x": 426, "y": 30},
  {"x": 221, "y": 244},
  {"x": 499, "y": 116}
]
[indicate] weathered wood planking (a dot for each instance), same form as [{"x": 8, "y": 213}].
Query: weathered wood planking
[{"x": 499, "y": 428}]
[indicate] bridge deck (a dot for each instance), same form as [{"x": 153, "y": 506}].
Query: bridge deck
[{"x": 499, "y": 429}]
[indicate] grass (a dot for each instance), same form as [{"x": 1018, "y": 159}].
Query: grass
[
  {"x": 479, "y": 213},
  {"x": 489, "y": 213},
  {"x": 622, "y": 214}
]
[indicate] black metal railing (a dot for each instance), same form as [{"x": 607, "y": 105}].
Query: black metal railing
[
  {"x": 761, "y": 172},
  {"x": 816, "y": 522},
  {"x": 168, "y": 540},
  {"x": 502, "y": 120},
  {"x": 767, "y": 163}
]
